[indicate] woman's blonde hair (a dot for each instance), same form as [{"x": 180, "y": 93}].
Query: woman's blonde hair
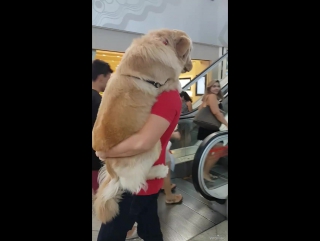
[{"x": 212, "y": 82}]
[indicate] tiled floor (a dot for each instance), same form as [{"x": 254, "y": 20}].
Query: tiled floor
[
  {"x": 182, "y": 222},
  {"x": 216, "y": 233}
]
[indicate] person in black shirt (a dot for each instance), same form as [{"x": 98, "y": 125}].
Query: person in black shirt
[{"x": 101, "y": 73}]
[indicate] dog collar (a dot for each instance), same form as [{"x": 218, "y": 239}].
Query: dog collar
[{"x": 155, "y": 84}]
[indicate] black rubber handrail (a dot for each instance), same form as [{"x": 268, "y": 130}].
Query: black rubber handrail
[{"x": 196, "y": 164}]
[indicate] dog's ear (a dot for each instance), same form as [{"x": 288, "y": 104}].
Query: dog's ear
[{"x": 182, "y": 46}]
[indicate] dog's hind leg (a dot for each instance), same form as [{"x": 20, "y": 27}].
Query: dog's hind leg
[{"x": 158, "y": 171}]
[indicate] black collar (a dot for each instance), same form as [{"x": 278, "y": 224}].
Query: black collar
[{"x": 155, "y": 84}]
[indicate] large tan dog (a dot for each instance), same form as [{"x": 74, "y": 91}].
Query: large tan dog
[{"x": 151, "y": 65}]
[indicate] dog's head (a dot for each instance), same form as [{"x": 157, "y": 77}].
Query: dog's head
[
  {"x": 180, "y": 44},
  {"x": 183, "y": 48},
  {"x": 160, "y": 55}
]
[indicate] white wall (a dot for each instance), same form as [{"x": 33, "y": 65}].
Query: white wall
[
  {"x": 205, "y": 21},
  {"x": 113, "y": 40}
]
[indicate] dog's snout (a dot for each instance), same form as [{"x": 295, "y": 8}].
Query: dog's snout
[{"x": 188, "y": 67}]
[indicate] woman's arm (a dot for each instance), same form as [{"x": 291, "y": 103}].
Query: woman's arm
[
  {"x": 176, "y": 135},
  {"x": 189, "y": 106},
  {"x": 140, "y": 142},
  {"x": 214, "y": 107}
]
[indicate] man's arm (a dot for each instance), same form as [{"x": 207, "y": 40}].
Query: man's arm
[
  {"x": 142, "y": 141},
  {"x": 162, "y": 114}
]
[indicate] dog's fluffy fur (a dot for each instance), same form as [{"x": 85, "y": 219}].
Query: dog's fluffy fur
[{"x": 126, "y": 104}]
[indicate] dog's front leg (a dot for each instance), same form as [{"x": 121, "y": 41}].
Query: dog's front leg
[{"x": 158, "y": 171}]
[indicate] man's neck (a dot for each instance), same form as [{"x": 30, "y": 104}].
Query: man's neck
[{"x": 94, "y": 87}]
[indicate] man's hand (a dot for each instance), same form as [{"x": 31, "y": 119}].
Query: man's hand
[
  {"x": 102, "y": 155},
  {"x": 140, "y": 142}
]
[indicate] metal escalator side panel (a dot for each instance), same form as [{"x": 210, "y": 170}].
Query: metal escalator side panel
[{"x": 219, "y": 193}]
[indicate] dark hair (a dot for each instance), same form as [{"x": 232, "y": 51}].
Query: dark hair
[
  {"x": 100, "y": 67},
  {"x": 185, "y": 96}
]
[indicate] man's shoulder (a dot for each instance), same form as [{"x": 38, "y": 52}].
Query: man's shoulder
[
  {"x": 96, "y": 95},
  {"x": 168, "y": 105},
  {"x": 171, "y": 97},
  {"x": 170, "y": 93}
]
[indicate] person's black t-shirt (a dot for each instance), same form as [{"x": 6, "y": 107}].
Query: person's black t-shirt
[{"x": 96, "y": 100}]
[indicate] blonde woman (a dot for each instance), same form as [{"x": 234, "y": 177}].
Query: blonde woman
[{"x": 212, "y": 98}]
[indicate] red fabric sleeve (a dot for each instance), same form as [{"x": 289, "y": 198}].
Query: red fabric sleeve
[{"x": 168, "y": 105}]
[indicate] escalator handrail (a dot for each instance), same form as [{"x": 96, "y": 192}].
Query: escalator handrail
[
  {"x": 203, "y": 73},
  {"x": 224, "y": 87},
  {"x": 197, "y": 159}
]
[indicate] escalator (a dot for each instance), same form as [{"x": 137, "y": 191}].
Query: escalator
[
  {"x": 212, "y": 71},
  {"x": 213, "y": 149},
  {"x": 195, "y": 106},
  {"x": 196, "y": 160},
  {"x": 185, "y": 149},
  {"x": 204, "y": 203}
]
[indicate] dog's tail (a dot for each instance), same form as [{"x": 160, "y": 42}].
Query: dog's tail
[{"x": 107, "y": 198}]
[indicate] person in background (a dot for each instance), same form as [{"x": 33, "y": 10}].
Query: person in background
[
  {"x": 186, "y": 103},
  {"x": 211, "y": 98},
  {"x": 101, "y": 73},
  {"x": 185, "y": 125},
  {"x": 168, "y": 187}
]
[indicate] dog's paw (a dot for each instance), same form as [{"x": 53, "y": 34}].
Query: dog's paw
[{"x": 158, "y": 171}]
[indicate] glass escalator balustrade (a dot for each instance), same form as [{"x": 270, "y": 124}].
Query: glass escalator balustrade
[{"x": 185, "y": 148}]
